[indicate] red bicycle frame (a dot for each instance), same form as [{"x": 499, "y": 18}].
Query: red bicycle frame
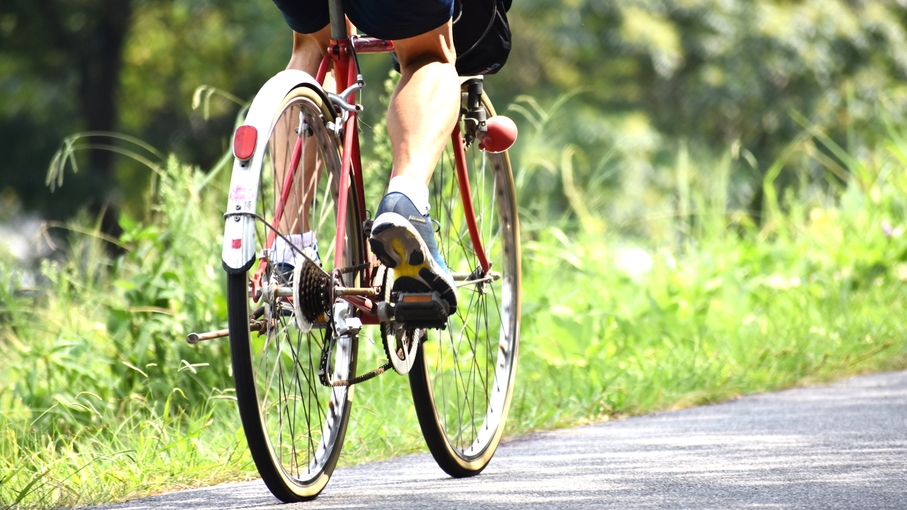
[{"x": 341, "y": 57}]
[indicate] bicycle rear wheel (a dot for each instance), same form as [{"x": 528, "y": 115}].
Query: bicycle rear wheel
[
  {"x": 462, "y": 379},
  {"x": 294, "y": 423}
]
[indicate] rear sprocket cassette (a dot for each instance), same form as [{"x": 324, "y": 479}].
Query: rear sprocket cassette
[{"x": 311, "y": 295}]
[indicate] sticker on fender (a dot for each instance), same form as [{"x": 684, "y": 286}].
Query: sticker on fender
[{"x": 240, "y": 194}]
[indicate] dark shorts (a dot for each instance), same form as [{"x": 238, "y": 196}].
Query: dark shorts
[{"x": 387, "y": 19}]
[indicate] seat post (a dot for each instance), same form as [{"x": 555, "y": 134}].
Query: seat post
[{"x": 338, "y": 20}]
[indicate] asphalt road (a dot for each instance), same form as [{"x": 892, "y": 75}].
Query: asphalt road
[{"x": 837, "y": 446}]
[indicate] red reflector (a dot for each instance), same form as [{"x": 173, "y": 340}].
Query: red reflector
[
  {"x": 244, "y": 142},
  {"x": 237, "y": 244}
]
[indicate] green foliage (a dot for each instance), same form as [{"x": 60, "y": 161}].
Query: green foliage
[
  {"x": 719, "y": 197},
  {"x": 653, "y": 75},
  {"x": 168, "y": 279},
  {"x": 62, "y": 61},
  {"x": 97, "y": 375}
]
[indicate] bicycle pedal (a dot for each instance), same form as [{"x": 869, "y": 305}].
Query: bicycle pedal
[{"x": 421, "y": 310}]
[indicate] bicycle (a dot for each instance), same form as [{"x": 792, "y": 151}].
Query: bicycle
[{"x": 294, "y": 335}]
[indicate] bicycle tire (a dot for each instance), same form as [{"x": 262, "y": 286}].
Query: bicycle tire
[
  {"x": 463, "y": 376},
  {"x": 294, "y": 425}
]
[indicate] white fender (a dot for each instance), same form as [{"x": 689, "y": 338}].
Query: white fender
[{"x": 239, "y": 232}]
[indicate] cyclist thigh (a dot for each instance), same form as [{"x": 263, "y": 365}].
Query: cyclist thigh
[{"x": 387, "y": 19}]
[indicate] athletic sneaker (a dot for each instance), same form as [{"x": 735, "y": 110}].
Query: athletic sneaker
[{"x": 404, "y": 240}]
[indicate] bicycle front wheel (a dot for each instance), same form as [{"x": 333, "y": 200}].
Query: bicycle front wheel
[
  {"x": 293, "y": 419},
  {"x": 463, "y": 376}
]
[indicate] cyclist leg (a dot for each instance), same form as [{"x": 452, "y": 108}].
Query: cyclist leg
[
  {"x": 403, "y": 234},
  {"x": 423, "y": 37},
  {"x": 429, "y": 83},
  {"x": 422, "y": 33},
  {"x": 308, "y": 51}
]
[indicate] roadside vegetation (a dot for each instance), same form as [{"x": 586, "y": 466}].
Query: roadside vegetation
[
  {"x": 689, "y": 303},
  {"x": 713, "y": 198}
]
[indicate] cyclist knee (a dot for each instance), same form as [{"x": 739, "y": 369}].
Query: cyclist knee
[{"x": 433, "y": 46}]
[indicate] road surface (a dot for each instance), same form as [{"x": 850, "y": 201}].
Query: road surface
[{"x": 838, "y": 446}]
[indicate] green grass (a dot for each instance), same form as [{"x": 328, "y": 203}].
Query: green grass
[{"x": 101, "y": 399}]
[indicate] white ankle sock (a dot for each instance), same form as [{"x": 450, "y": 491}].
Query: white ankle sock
[
  {"x": 414, "y": 190},
  {"x": 283, "y": 253}
]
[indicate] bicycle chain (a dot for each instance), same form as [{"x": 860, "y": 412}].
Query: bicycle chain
[{"x": 325, "y": 355}]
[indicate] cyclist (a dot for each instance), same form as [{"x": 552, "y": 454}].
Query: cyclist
[{"x": 422, "y": 112}]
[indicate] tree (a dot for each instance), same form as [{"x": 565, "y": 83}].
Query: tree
[
  {"x": 52, "y": 46},
  {"x": 715, "y": 73},
  {"x": 124, "y": 66}
]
